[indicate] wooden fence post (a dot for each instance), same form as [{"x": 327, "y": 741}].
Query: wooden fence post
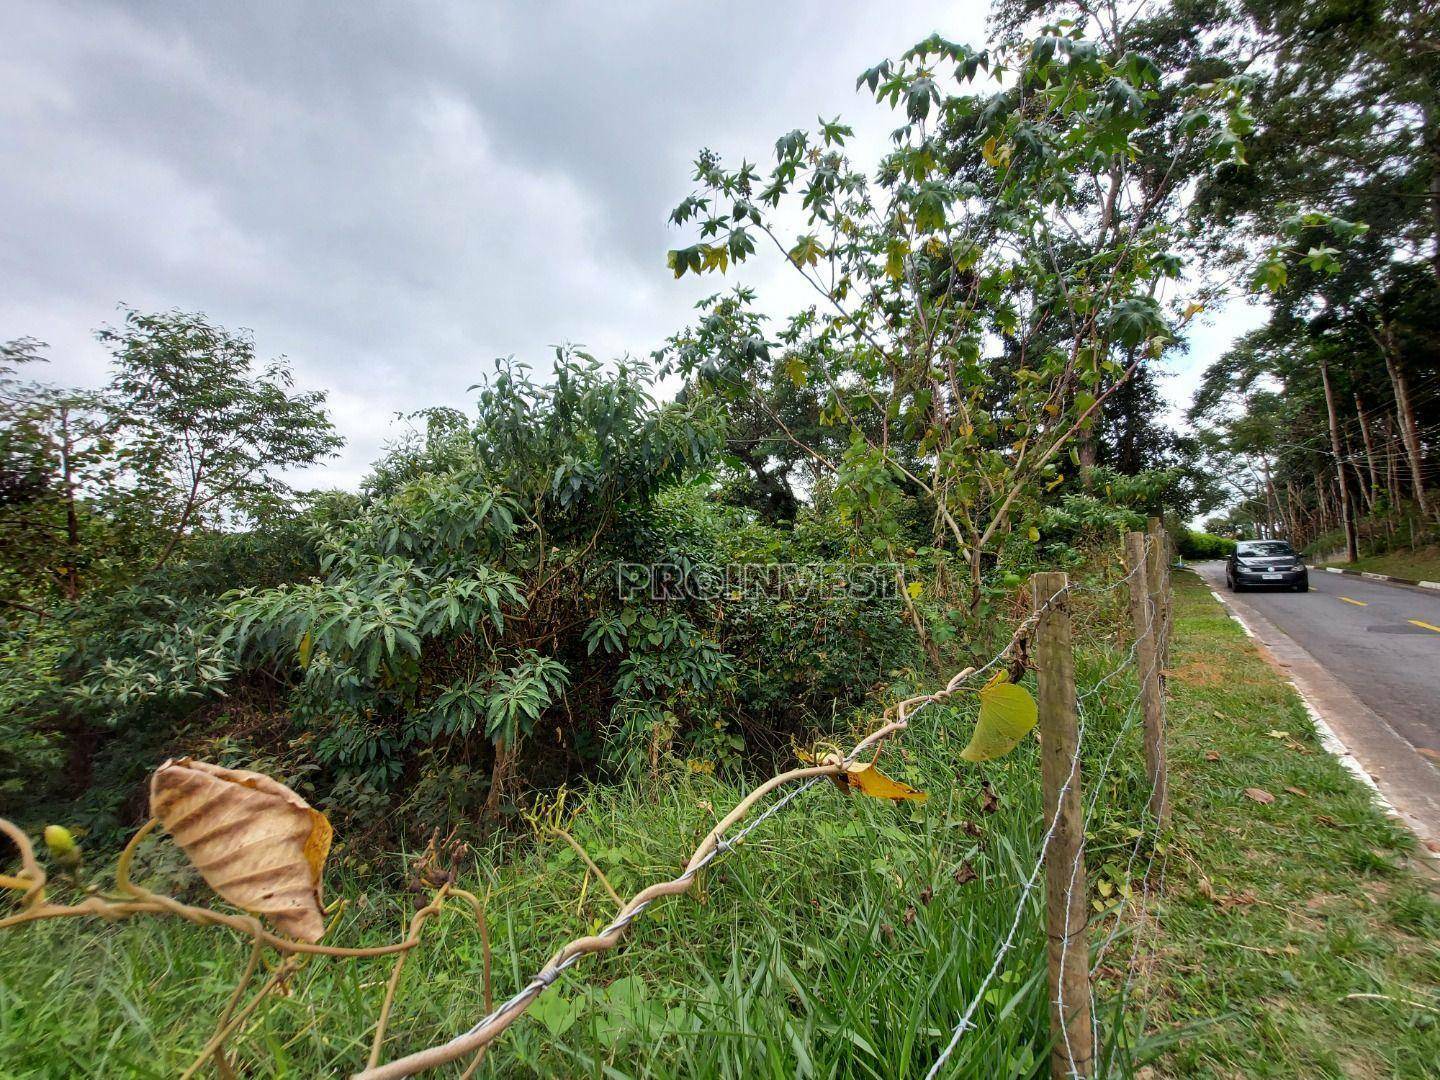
[
  {"x": 1147, "y": 618},
  {"x": 1159, "y": 573},
  {"x": 1067, "y": 908}
]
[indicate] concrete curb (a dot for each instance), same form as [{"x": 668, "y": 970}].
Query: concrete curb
[{"x": 1380, "y": 577}]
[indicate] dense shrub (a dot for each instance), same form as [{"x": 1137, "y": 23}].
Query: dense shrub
[{"x": 1194, "y": 544}]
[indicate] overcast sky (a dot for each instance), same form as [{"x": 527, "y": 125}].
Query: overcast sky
[{"x": 394, "y": 194}]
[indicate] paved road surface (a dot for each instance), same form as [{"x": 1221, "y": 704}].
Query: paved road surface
[{"x": 1382, "y": 641}]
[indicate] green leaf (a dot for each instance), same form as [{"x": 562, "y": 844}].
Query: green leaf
[
  {"x": 1007, "y": 713},
  {"x": 557, "y": 1013}
]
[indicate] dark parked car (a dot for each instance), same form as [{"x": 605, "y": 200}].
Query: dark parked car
[{"x": 1266, "y": 562}]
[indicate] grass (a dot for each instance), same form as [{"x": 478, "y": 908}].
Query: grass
[
  {"x": 1297, "y": 937},
  {"x": 1422, "y": 564},
  {"x": 846, "y": 936}
]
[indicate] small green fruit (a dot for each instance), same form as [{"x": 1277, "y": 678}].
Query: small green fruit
[{"x": 63, "y": 848}]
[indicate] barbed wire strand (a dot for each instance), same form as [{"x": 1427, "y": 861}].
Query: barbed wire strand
[
  {"x": 715, "y": 844},
  {"x": 1152, "y": 624},
  {"x": 965, "y": 1022}
]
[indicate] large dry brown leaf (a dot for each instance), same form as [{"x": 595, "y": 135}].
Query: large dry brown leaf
[{"x": 257, "y": 843}]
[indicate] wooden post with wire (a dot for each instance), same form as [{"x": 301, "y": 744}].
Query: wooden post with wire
[
  {"x": 1158, "y": 568},
  {"x": 1146, "y": 614},
  {"x": 1067, "y": 911}
]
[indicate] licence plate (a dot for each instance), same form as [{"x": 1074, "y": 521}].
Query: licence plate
[{"x": 1271, "y": 577}]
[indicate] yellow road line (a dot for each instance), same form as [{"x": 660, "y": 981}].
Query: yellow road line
[
  {"x": 1426, "y": 625},
  {"x": 1357, "y": 603}
]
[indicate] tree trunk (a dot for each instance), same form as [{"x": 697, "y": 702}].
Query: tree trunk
[
  {"x": 932, "y": 652},
  {"x": 1432, "y": 150},
  {"x": 499, "y": 773},
  {"x": 1393, "y": 450},
  {"x": 1347, "y": 511},
  {"x": 1272, "y": 501},
  {"x": 1366, "y": 493},
  {"x": 70, "y": 579},
  {"x": 1298, "y": 536},
  {"x": 1409, "y": 430},
  {"x": 1369, "y": 450}
]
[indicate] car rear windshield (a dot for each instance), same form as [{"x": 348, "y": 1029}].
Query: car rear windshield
[{"x": 1264, "y": 547}]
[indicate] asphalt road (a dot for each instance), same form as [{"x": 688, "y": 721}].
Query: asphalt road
[{"x": 1382, "y": 641}]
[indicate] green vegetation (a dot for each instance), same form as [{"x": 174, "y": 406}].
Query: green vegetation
[
  {"x": 576, "y": 601},
  {"x": 1421, "y": 565},
  {"x": 1194, "y": 544},
  {"x": 843, "y": 937},
  {"x": 1324, "y": 419},
  {"x": 1296, "y": 937}
]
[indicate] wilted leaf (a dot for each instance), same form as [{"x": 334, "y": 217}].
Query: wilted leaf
[
  {"x": 257, "y": 843},
  {"x": 869, "y": 780},
  {"x": 1007, "y": 713},
  {"x": 1260, "y": 795},
  {"x": 965, "y": 873},
  {"x": 1212, "y": 755},
  {"x": 989, "y": 801}
]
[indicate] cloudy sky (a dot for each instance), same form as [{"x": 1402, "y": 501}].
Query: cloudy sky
[{"x": 394, "y": 194}]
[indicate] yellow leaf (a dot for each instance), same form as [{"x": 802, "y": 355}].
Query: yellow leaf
[
  {"x": 869, "y": 780},
  {"x": 1034, "y": 535},
  {"x": 915, "y": 588},
  {"x": 257, "y": 843},
  {"x": 307, "y": 643},
  {"x": 63, "y": 848},
  {"x": 1007, "y": 713},
  {"x": 996, "y": 154}
]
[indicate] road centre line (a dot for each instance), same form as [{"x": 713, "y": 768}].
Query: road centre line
[
  {"x": 1426, "y": 625},
  {"x": 1357, "y": 603}
]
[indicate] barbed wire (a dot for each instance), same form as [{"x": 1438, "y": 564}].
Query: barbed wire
[
  {"x": 1072, "y": 774},
  {"x": 716, "y": 843},
  {"x": 721, "y": 840}
]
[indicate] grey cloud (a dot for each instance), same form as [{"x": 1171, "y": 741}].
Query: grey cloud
[{"x": 394, "y": 194}]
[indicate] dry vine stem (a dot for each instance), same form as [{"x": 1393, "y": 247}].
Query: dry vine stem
[
  {"x": 32, "y": 880},
  {"x": 479, "y": 1037}
]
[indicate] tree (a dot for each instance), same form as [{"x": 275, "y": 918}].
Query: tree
[
  {"x": 56, "y": 463},
  {"x": 981, "y": 298},
  {"x": 453, "y": 602},
  {"x": 202, "y": 434}
]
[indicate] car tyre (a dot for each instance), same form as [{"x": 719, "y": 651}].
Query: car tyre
[{"x": 1304, "y": 586}]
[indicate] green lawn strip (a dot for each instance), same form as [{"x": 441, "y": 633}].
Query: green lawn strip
[
  {"x": 1420, "y": 565},
  {"x": 1299, "y": 937}
]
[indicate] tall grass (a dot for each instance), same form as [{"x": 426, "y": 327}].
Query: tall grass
[{"x": 843, "y": 938}]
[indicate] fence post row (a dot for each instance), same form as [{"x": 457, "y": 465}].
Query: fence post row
[
  {"x": 1146, "y": 611},
  {"x": 1066, "y": 893}
]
